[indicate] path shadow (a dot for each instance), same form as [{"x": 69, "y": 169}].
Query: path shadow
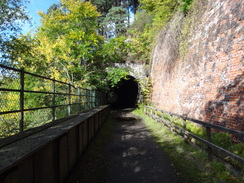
[{"x": 133, "y": 155}]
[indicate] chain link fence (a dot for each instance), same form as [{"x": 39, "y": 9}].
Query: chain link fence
[{"x": 28, "y": 100}]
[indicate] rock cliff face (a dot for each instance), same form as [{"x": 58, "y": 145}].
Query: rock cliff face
[{"x": 198, "y": 64}]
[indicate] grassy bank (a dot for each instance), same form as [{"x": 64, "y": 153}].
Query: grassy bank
[{"x": 190, "y": 161}]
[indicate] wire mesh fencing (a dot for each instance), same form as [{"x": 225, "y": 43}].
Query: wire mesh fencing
[{"x": 28, "y": 100}]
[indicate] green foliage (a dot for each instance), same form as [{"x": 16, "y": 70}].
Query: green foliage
[
  {"x": 185, "y": 34},
  {"x": 237, "y": 149},
  {"x": 37, "y": 118},
  {"x": 185, "y": 5},
  {"x": 116, "y": 74},
  {"x": 196, "y": 129},
  {"x": 116, "y": 22},
  {"x": 8, "y": 126},
  {"x": 148, "y": 22},
  {"x": 141, "y": 38},
  {"x": 66, "y": 45},
  {"x": 142, "y": 20},
  {"x": 167, "y": 116},
  {"x": 68, "y": 48},
  {"x": 103, "y": 6},
  {"x": 219, "y": 171},
  {"x": 22, "y": 50},
  {"x": 146, "y": 89},
  {"x": 12, "y": 16},
  {"x": 183, "y": 155},
  {"x": 195, "y": 9},
  {"x": 155, "y": 14},
  {"x": 115, "y": 50},
  {"x": 162, "y": 10},
  {"x": 220, "y": 139},
  {"x": 9, "y": 101},
  {"x": 176, "y": 149}
]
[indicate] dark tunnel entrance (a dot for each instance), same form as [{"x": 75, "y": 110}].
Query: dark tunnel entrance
[{"x": 124, "y": 95}]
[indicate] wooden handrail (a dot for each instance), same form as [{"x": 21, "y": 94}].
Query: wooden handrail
[{"x": 208, "y": 127}]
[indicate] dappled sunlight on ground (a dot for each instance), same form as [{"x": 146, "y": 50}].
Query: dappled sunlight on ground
[
  {"x": 134, "y": 156},
  {"x": 129, "y": 155}
]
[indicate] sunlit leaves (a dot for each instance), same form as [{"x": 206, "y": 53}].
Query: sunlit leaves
[
  {"x": 148, "y": 22},
  {"x": 116, "y": 74},
  {"x": 162, "y": 10},
  {"x": 185, "y": 5},
  {"x": 68, "y": 37},
  {"x": 116, "y": 50},
  {"x": 12, "y": 15}
]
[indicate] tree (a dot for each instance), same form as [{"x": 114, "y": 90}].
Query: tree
[
  {"x": 25, "y": 51},
  {"x": 154, "y": 15},
  {"x": 115, "y": 50},
  {"x": 116, "y": 22},
  {"x": 141, "y": 37},
  {"x": 69, "y": 40},
  {"x": 134, "y": 4},
  {"x": 12, "y": 15},
  {"x": 162, "y": 10},
  {"x": 103, "y": 6}
]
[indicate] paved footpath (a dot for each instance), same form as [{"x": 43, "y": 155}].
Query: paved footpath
[{"x": 132, "y": 155}]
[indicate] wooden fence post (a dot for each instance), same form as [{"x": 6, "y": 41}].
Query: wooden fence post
[
  {"x": 208, "y": 129},
  {"x": 184, "y": 127},
  {"x": 171, "y": 123}
]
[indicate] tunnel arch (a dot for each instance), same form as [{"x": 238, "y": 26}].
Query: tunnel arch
[{"x": 125, "y": 93}]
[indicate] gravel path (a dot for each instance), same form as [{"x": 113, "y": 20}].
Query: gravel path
[{"x": 131, "y": 156}]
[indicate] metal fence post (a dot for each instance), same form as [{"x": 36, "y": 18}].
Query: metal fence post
[
  {"x": 85, "y": 102},
  {"x": 53, "y": 100},
  {"x": 90, "y": 99},
  {"x": 69, "y": 100},
  {"x": 96, "y": 98},
  {"x": 79, "y": 94},
  {"x": 22, "y": 87},
  {"x": 87, "y": 99},
  {"x": 93, "y": 98}
]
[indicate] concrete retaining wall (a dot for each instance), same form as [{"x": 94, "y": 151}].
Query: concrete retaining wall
[{"x": 51, "y": 154}]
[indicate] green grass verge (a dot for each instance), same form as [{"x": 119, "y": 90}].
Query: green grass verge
[{"x": 190, "y": 161}]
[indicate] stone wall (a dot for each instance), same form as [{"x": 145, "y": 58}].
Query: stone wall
[{"x": 205, "y": 80}]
